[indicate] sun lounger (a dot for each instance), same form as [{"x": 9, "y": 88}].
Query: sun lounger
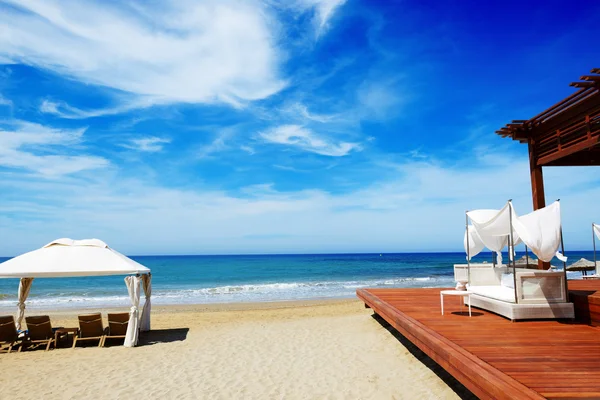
[
  {"x": 39, "y": 331},
  {"x": 9, "y": 336},
  {"x": 90, "y": 328},
  {"x": 117, "y": 326}
]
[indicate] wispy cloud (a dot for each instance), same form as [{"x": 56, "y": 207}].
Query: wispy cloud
[
  {"x": 64, "y": 110},
  {"x": 323, "y": 12},
  {"x": 44, "y": 150},
  {"x": 380, "y": 98},
  {"x": 300, "y": 111},
  {"x": 151, "y": 144},
  {"x": 220, "y": 142},
  {"x": 5, "y": 102},
  {"x": 390, "y": 214},
  {"x": 178, "y": 51},
  {"x": 248, "y": 149},
  {"x": 297, "y": 136}
]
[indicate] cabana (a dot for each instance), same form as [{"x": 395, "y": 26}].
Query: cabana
[
  {"x": 522, "y": 294},
  {"x": 90, "y": 257}
]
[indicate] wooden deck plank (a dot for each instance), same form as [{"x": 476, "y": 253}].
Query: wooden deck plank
[{"x": 494, "y": 357}]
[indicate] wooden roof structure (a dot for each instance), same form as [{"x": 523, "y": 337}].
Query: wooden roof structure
[{"x": 566, "y": 134}]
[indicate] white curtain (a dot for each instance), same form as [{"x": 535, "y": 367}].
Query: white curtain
[
  {"x": 145, "y": 320},
  {"x": 540, "y": 231},
  {"x": 24, "y": 287},
  {"x": 133, "y": 287},
  {"x": 493, "y": 227},
  {"x": 475, "y": 245},
  {"x": 596, "y": 230}
]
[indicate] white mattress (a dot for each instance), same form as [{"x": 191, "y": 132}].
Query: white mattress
[{"x": 497, "y": 292}]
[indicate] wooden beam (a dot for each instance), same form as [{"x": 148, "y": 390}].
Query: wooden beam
[
  {"x": 583, "y": 145},
  {"x": 582, "y": 84},
  {"x": 594, "y": 78},
  {"x": 583, "y": 158}
]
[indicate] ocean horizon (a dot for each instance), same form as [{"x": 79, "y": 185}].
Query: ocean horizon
[{"x": 213, "y": 279}]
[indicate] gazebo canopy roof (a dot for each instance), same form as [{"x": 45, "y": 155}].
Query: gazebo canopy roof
[{"x": 67, "y": 257}]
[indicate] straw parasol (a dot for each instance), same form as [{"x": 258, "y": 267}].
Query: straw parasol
[
  {"x": 527, "y": 261},
  {"x": 582, "y": 265}
]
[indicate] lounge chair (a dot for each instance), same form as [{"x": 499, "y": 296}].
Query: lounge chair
[
  {"x": 39, "y": 331},
  {"x": 9, "y": 336},
  {"x": 90, "y": 328},
  {"x": 117, "y": 326}
]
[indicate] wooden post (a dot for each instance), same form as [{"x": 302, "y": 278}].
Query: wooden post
[
  {"x": 537, "y": 186},
  {"x": 537, "y": 178}
]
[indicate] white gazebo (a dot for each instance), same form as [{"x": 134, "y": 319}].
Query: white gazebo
[{"x": 90, "y": 257}]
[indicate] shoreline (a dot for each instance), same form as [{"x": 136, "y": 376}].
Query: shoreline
[{"x": 189, "y": 307}]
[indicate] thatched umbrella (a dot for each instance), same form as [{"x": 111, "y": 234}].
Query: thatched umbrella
[
  {"x": 582, "y": 265},
  {"x": 527, "y": 262}
]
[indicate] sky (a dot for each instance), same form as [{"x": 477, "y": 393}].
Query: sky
[{"x": 299, "y": 126}]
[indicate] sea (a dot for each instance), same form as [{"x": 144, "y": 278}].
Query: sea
[{"x": 253, "y": 278}]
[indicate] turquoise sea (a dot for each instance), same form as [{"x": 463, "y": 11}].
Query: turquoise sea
[{"x": 252, "y": 278}]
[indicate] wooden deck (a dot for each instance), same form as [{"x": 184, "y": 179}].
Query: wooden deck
[
  {"x": 585, "y": 295},
  {"x": 496, "y": 358}
]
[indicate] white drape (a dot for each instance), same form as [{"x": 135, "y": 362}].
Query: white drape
[
  {"x": 540, "y": 231},
  {"x": 493, "y": 227},
  {"x": 24, "y": 288},
  {"x": 596, "y": 230},
  {"x": 475, "y": 245},
  {"x": 145, "y": 320},
  {"x": 133, "y": 287}
]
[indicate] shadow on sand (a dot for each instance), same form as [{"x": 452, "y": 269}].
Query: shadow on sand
[
  {"x": 448, "y": 379},
  {"x": 163, "y": 336}
]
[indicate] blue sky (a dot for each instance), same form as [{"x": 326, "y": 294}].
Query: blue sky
[{"x": 184, "y": 127}]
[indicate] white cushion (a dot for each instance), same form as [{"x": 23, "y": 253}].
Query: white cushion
[
  {"x": 508, "y": 281},
  {"x": 501, "y": 293}
]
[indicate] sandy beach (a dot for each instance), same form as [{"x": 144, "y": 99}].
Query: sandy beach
[{"x": 300, "y": 350}]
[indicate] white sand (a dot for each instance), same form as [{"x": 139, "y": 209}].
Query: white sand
[{"x": 332, "y": 350}]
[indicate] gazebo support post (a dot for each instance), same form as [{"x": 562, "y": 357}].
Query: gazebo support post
[
  {"x": 562, "y": 249},
  {"x": 511, "y": 249},
  {"x": 594, "y": 242},
  {"x": 468, "y": 249}
]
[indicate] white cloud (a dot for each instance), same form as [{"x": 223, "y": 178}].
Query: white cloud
[
  {"x": 248, "y": 149},
  {"x": 305, "y": 139},
  {"x": 5, "y": 102},
  {"x": 64, "y": 110},
  {"x": 418, "y": 206},
  {"x": 380, "y": 99},
  {"x": 218, "y": 144},
  {"x": 323, "y": 9},
  {"x": 44, "y": 150},
  {"x": 176, "y": 51},
  {"x": 151, "y": 144},
  {"x": 299, "y": 111}
]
